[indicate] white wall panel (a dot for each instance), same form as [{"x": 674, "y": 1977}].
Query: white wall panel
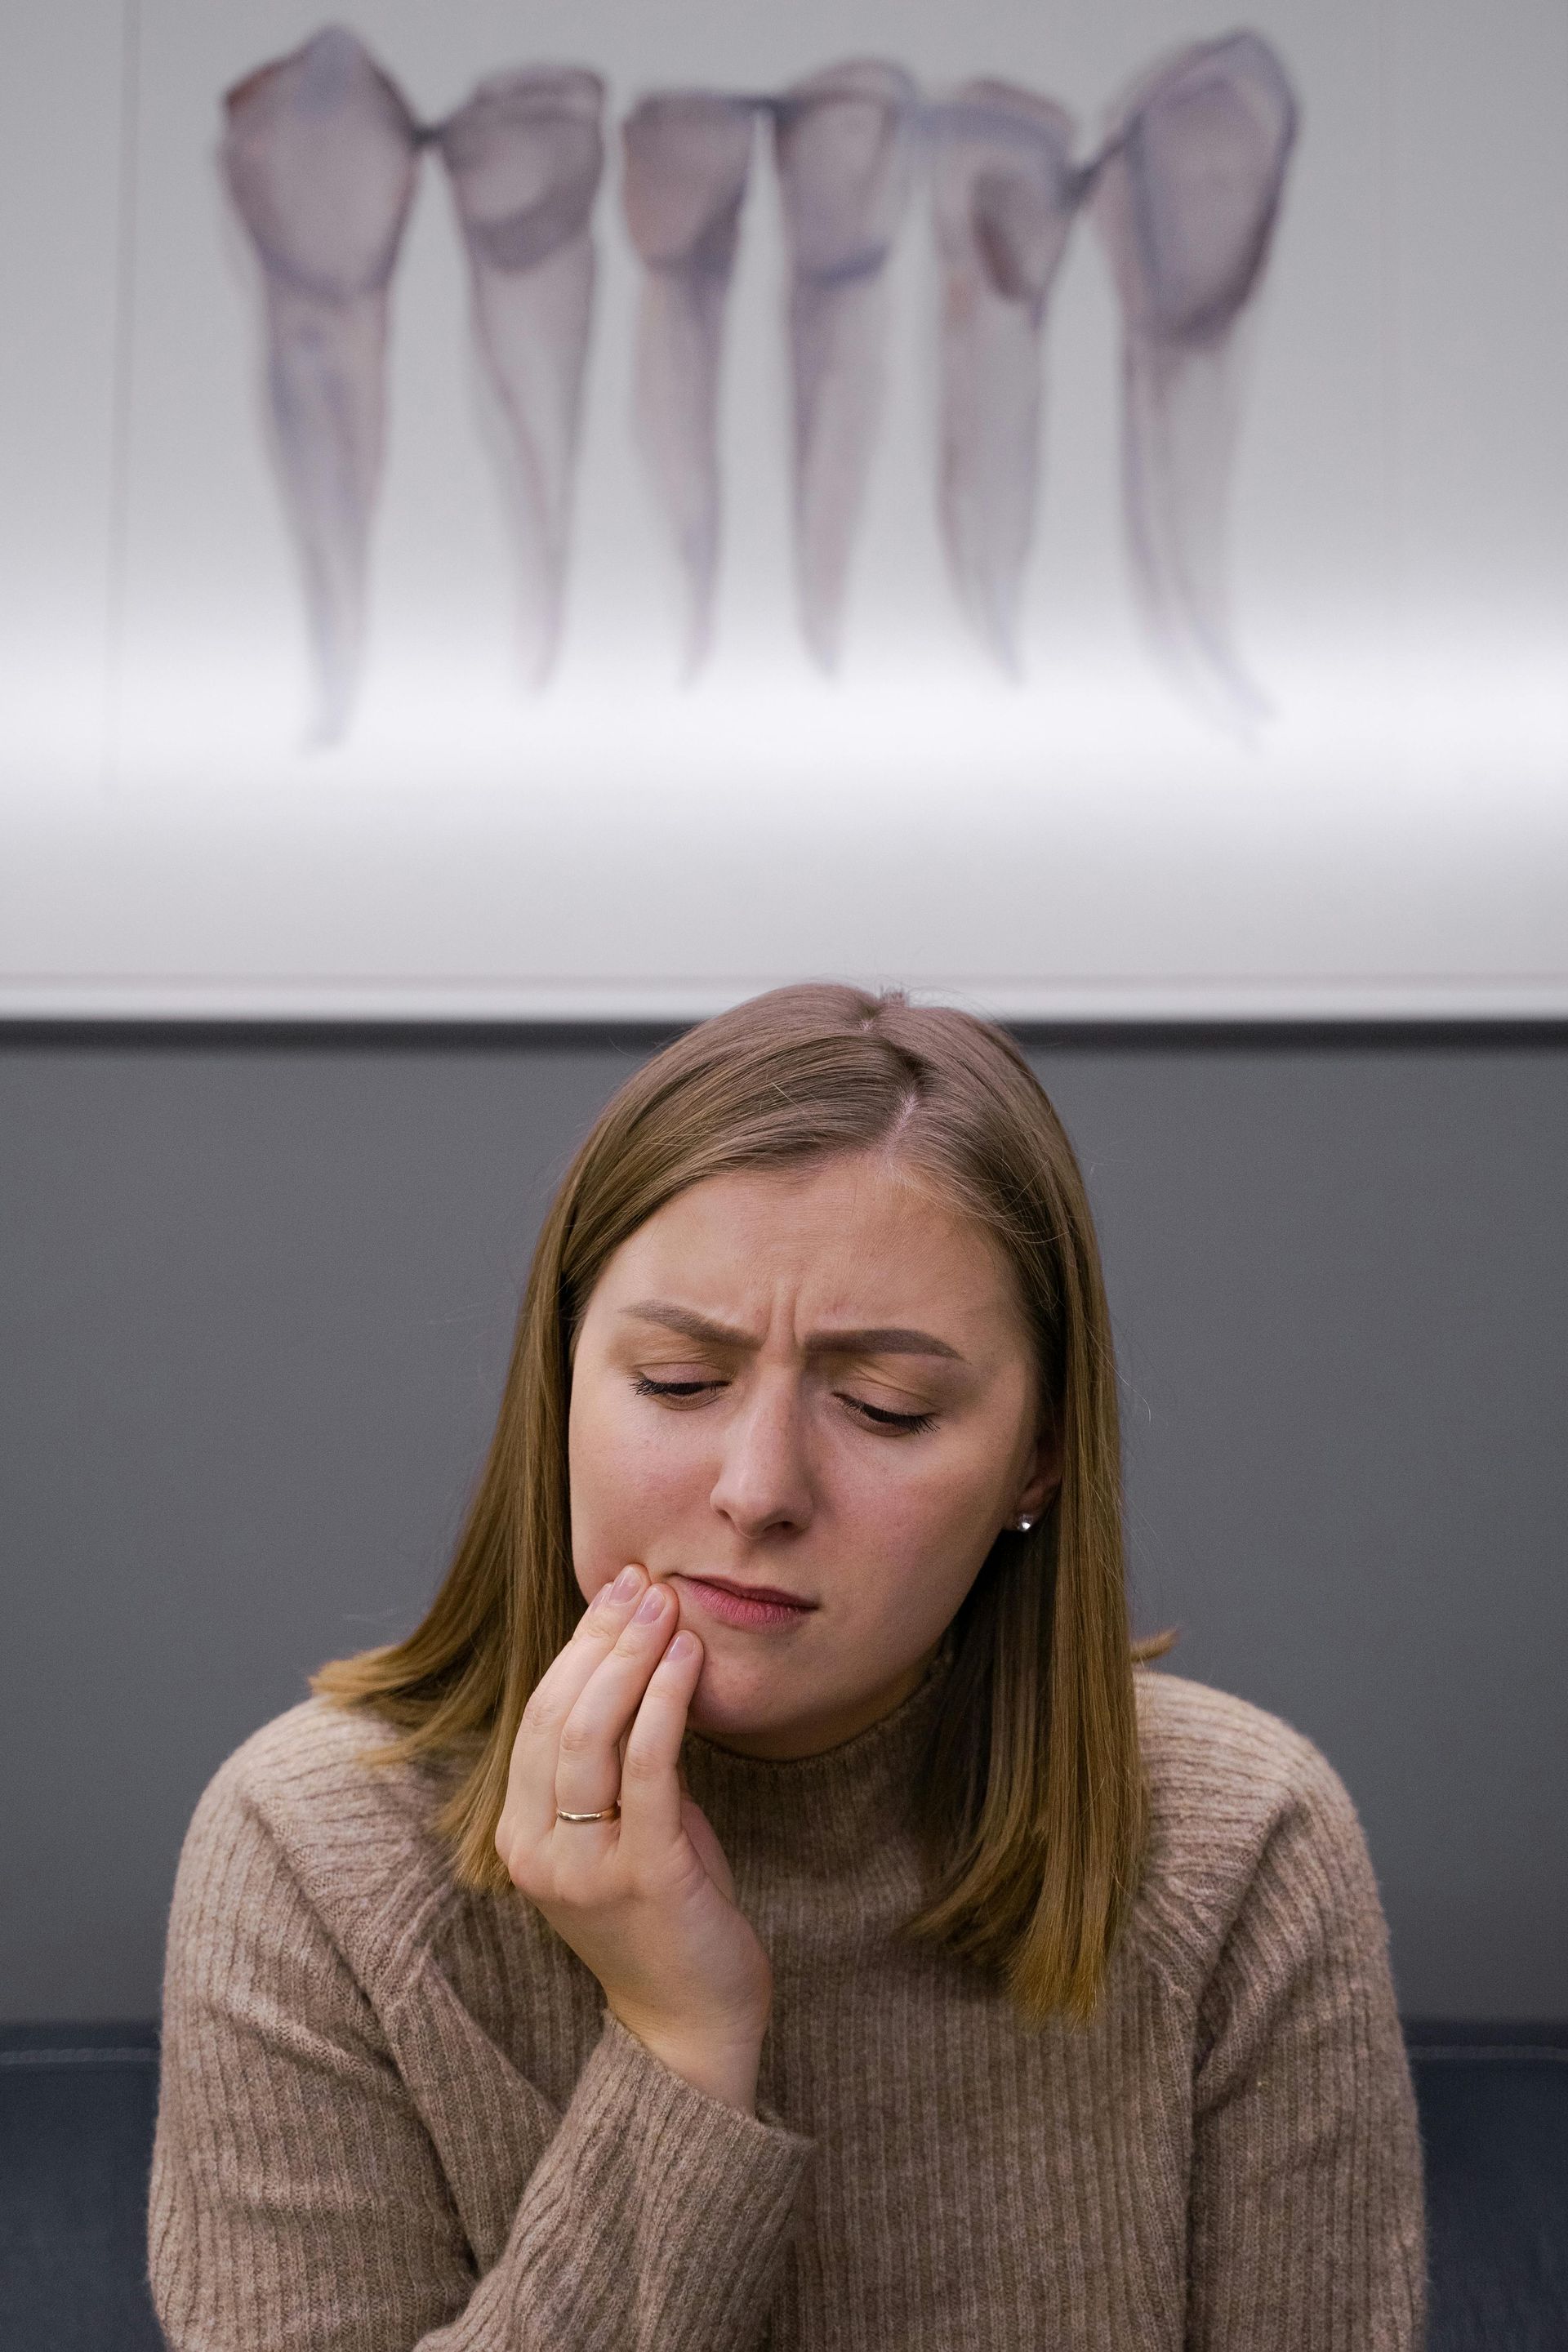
[
  {"x": 1395, "y": 840},
  {"x": 63, "y": 242}
]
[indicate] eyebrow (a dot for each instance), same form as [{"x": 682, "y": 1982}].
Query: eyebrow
[{"x": 884, "y": 1339}]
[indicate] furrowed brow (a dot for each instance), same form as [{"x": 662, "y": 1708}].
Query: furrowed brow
[
  {"x": 891, "y": 1339},
  {"x": 690, "y": 1326},
  {"x": 882, "y": 1340}
]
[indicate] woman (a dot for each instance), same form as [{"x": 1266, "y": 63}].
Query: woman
[{"x": 625, "y": 1960}]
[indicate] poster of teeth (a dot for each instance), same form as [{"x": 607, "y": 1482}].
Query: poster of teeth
[{"x": 586, "y": 512}]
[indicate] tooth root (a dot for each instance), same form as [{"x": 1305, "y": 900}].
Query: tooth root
[
  {"x": 1003, "y": 192},
  {"x": 1187, "y": 195},
  {"x": 320, "y": 155},
  {"x": 844, "y": 143},
  {"x": 524, "y": 157},
  {"x": 686, "y": 162}
]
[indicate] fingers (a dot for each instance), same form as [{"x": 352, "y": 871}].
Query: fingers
[
  {"x": 588, "y": 1774},
  {"x": 530, "y": 1809},
  {"x": 578, "y": 1746},
  {"x": 650, "y": 1792}
]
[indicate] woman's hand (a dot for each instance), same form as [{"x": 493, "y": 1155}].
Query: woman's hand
[{"x": 648, "y": 1901}]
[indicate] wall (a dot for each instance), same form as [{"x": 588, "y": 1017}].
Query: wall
[{"x": 257, "y": 1291}]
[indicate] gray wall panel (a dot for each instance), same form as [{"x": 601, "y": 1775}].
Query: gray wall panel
[{"x": 257, "y": 1299}]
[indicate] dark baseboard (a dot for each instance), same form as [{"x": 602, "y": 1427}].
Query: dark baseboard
[{"x": 637, "y": 1039}]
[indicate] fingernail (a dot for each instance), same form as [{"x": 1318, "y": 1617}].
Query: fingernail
[
  {"x": 653, "y": 1602},
  {"x": 625, "y": 1584}
]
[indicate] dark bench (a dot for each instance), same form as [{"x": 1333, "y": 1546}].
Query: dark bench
[{"x": 77, "y": 2106}]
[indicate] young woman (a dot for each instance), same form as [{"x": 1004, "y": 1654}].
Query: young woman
[{"x": 770, "y": 1900}]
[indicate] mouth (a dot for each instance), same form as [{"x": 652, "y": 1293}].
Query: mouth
[
  {"x": 746, "y": 1604},
  {"x": 753, "y": 1591}
]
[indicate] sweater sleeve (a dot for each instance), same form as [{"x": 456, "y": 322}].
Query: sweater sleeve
[
  {"x": 297, "y": 2203},
  {"x": 1307, "y": 2227}
]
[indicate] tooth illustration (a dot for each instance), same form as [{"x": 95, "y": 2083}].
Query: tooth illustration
[
  {"x": 524, "y": 155},
  {"x": 1187, "y": 197},
  {"x": 687, "y": 158},
  {"x": 1005, "y": 191},
  {"x": 844, "y": 144},
  {"x": 321, "y": 153}
]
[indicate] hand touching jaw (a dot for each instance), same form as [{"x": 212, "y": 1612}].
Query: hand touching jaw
[{"x": 817, "y": 1380}]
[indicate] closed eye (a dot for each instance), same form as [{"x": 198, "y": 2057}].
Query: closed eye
[{"x": 904, "y": 1424}]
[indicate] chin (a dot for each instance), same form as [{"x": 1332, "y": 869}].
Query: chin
[{"x": 731, "y": 1696}]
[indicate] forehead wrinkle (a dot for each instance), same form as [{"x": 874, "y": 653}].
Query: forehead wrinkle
[
  {"x": 687, "y": 1323},
  {"x": 882, "y": 1340},
  {"x": 890, "y": 1340}
]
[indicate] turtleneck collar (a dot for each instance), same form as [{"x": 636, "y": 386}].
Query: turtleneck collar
[{"x": 819, "y": 1812}]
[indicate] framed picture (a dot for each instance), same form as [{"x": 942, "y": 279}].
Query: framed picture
[{"x": 592, "y": 513}]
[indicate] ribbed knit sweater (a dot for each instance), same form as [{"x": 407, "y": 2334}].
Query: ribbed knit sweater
[{"x": 396, "y": 2114}]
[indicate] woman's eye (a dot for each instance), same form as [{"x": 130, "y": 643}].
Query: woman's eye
[
  {"x": 689, "y": 1391},
  {"x": 905, "y": 1423},
  {"x": 679, "y": 1392}
]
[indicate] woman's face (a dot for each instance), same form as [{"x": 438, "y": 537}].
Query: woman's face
[{"x": 814, "y": 1378}]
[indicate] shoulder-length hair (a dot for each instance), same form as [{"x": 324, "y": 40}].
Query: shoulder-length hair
[{"x": 1031, "y": 1803}]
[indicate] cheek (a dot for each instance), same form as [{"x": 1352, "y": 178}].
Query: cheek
[
  {"x": 629, "y": 1479},
  {"x": 946, "y": 1506},
  {"x": 937, "y": 1507}
]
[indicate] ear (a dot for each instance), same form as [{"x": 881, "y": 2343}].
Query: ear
[{"x": 1044, "y": 1471}]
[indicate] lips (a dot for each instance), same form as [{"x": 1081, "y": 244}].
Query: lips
[{"x": 755, "y": 1592}]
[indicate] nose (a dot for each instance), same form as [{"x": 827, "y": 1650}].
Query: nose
[{"x": 763, "y": 1486}]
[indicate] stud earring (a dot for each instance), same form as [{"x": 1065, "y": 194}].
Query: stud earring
[{"x": 1021, "y": 1526}]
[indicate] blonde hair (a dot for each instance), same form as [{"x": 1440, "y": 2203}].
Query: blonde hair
[{"x": 1031, "y": 1803}]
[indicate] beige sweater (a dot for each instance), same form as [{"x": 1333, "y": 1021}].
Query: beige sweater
[{"x": 395, "y": 2114}]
